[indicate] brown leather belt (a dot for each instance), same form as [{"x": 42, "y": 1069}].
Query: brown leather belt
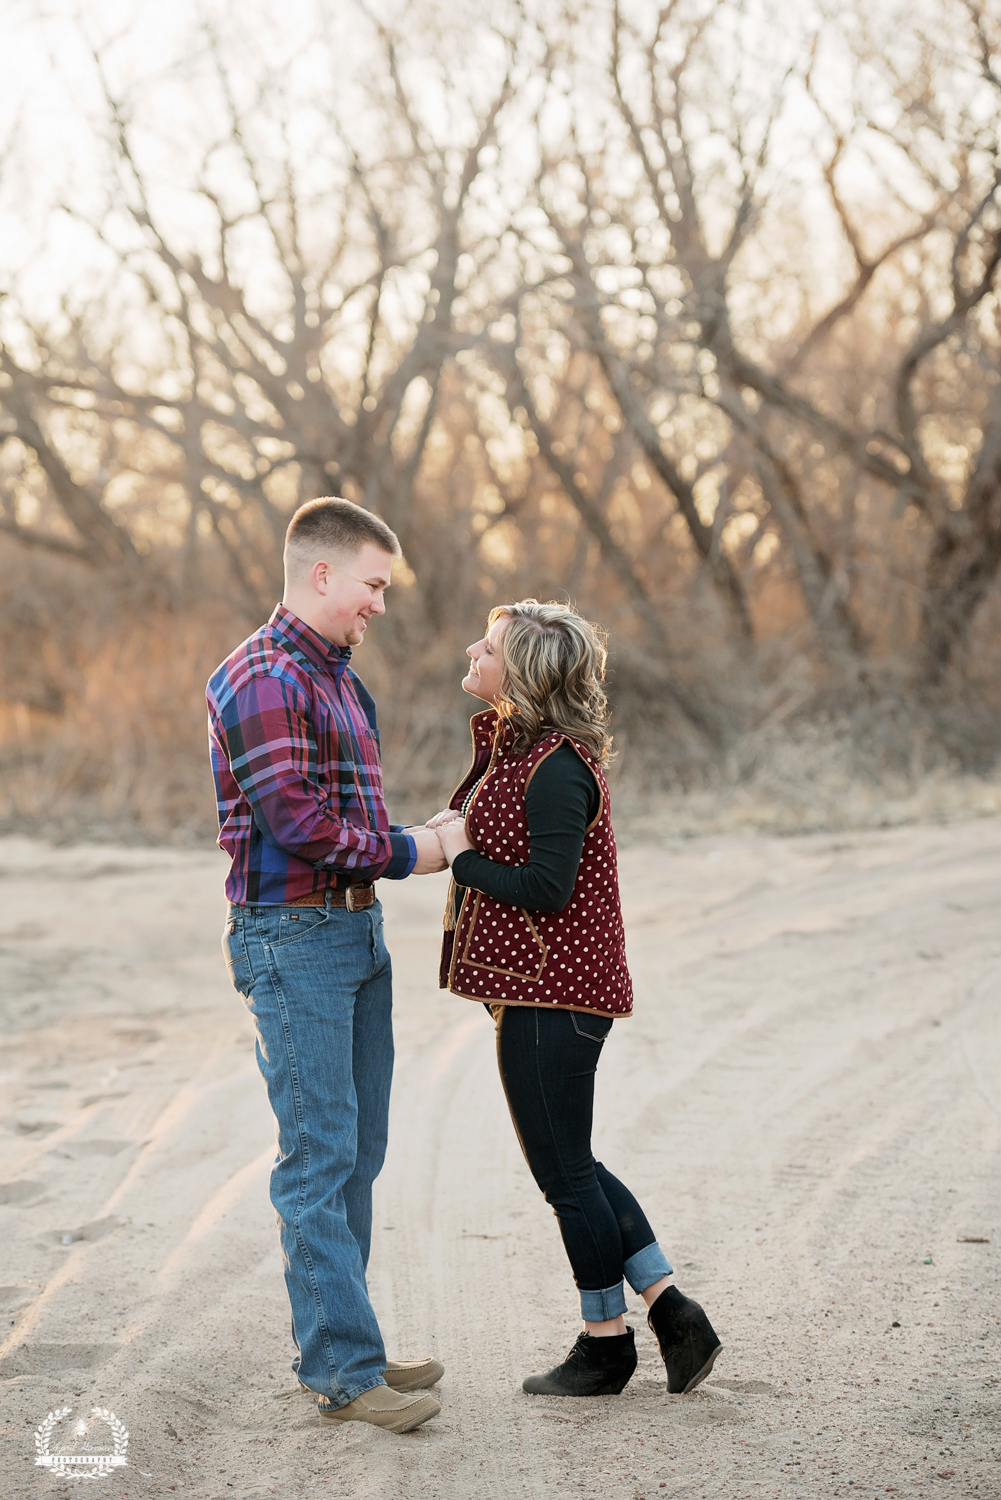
[{"x": 354, "y": 897}]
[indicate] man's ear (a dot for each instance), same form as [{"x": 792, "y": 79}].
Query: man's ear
[{"x": 320, "y": 575}]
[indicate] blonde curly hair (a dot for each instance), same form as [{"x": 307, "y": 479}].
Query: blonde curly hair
[{"x": 554, "y": 668}]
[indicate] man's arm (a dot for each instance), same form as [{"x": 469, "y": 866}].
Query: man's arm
[
  {"x": 265, "y": 733},
  {"x": 430, "y": 855}
]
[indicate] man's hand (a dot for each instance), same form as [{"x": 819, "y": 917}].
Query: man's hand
[
  {"x": 454, "y": 838},
  {"x": 447, "y": 815},
  {"x": 430, "y": 858}
]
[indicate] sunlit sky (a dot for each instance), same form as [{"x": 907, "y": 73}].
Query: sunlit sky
[{"x": 52, "y": 114}]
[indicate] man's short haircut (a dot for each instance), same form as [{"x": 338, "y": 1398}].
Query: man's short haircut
[{"x": 332, "y": 525}]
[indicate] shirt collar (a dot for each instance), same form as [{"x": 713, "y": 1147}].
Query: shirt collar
[{"x": 309, "y": 642}]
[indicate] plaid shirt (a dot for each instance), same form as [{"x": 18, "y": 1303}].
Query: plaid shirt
[{"x": 295, "y": 756}]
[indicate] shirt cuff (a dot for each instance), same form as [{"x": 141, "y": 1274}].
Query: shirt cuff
[{"x": 403, "y": 858}]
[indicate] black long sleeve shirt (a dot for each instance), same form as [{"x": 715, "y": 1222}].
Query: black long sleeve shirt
[{"x": 562, "y": 799}]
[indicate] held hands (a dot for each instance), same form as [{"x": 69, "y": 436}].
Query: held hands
[
  {"x": 439, "y": 841},
  {"x": 450, "y": 827},
  {"x": 447, "y": 815}
]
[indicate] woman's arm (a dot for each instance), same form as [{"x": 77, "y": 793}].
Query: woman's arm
[{"x": 562, "y": 799}]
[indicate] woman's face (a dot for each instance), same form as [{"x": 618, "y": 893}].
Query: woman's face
[{"x": 486, "y": 669}]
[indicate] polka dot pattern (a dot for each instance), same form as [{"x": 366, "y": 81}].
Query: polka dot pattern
[{"x": 575, "y": 958}]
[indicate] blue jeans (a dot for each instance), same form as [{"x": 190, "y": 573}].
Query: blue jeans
[{"x": 318, "y": 983}]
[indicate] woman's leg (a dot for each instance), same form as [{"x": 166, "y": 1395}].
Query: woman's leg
[
  {"x": 547, "y": 1063},
  {"x": 687, "y": 1340},
  {"x": 644, "y": 1264}
]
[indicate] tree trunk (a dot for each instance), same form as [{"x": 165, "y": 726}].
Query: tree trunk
[{"x": 962, "y": 567}]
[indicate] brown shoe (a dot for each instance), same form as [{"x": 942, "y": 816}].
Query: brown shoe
[
  {"x": 395, "y": 1411},
  {"x": 413, "y": 1374},
  {"x": 405, "y": 1375}
]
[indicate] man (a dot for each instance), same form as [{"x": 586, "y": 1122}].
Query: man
[{"x": 295, "y": 756}]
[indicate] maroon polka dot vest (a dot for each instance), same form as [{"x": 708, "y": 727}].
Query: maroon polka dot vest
[{"x": 575, "y": 958}]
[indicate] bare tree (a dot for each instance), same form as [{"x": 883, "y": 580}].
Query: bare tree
[
  {"x": 561, "y": 317},
  {"x": 257, "y": 402},
  {"x": 665, "y": 232}
]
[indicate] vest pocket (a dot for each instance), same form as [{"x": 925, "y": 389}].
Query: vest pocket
[{"x": 504, "y": 939}]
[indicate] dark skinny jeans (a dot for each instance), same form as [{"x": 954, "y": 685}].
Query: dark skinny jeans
[{"x": 547, "y": 1061}]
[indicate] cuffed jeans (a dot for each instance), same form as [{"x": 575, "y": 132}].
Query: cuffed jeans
[
  {"x": 318, "y": 983},
  {"x": 547, "y": 1061}
]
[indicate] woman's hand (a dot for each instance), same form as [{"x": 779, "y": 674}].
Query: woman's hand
[
  {"x": 453, "y": 837},
  {"x": 447, "y": 815}
]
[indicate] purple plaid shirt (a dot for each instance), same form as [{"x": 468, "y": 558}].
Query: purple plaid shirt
[{"x": 295, "y": 756}]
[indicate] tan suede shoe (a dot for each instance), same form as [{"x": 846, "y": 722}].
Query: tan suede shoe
[
  {"x": 395, "y": 1411},
  {"x": 413, "y": 1374},
  {"x": 405, "y": 1375}
]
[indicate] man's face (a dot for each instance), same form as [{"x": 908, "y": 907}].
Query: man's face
[{"x": 350, "y": 590}]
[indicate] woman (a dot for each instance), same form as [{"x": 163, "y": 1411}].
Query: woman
[{"x": 534, "y": 929}]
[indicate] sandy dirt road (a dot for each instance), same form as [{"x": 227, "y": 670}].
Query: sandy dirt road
[{"x": 807, "y": 1101}]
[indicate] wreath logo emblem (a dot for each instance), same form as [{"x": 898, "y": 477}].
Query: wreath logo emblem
[{"x": 81, "y": 1465}]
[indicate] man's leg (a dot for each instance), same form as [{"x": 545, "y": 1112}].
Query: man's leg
[
  {"x": 308, "y": 966},
  {"x": 372, "y": 1069}
]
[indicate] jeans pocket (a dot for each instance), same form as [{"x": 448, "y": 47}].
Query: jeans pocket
[
  {"x": 293, "y": 925},
  {"x": 234, "y": 951},
  {"x": 380, "y": 953},
  {"x": 595, "y": 1028}
]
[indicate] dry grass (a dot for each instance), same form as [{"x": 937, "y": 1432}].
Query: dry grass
[
  {"x": 120, "y": 747},
  {"x": 127, "y": 755},
  {"x": 103, "y": 732},
  {"x": 805, "y": 805}
]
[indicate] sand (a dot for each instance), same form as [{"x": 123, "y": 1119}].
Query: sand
[{"x": 807, "y": 1102}]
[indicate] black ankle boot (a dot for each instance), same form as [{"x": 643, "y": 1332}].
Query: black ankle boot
[
  {"x": 594, "y": 1367},
  {"x": 688, "y": 1343}
]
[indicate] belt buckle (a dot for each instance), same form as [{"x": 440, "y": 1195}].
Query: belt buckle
[{"x": 349, "y": 898}]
